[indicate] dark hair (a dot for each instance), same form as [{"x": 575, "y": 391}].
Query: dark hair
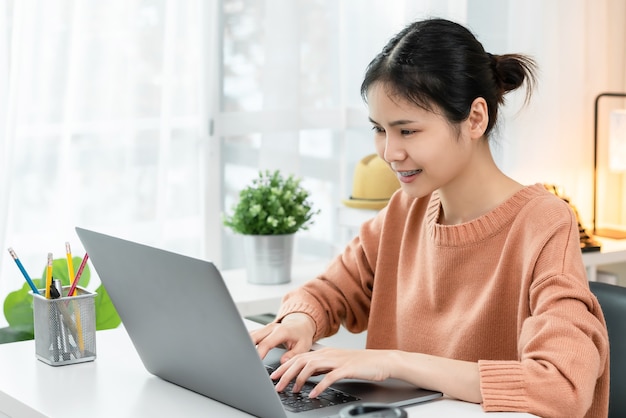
[{"x": 440, "y": 62}]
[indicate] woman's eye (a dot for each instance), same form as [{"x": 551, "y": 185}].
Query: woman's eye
[
  {"x": 378, "y": 129},
  {"x": 406, "y": 132}
]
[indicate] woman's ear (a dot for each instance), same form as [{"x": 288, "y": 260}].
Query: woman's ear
[{"x": 478, "y": 118}]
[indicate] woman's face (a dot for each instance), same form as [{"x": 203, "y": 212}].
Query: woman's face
[{"x": 424, "y": 150}]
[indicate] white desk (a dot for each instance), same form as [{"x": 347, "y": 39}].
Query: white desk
[
  {"x": 612, "y": 252},
  {"x": 117, "y": 385}
]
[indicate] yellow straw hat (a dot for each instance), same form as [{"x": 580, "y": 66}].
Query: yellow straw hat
[{"x": 372, "y": 185}]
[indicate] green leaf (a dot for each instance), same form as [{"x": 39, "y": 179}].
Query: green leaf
[
  {"x": 271, "y": 205},
  {"x": 18, "y": 308},
  {"x": 10, "y": 335},
  {"x": 106, "y": 315}
]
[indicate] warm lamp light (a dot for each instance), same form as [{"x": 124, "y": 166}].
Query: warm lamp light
[
  {"x": 617, "y": 141},
  {"x": 616, "y": 164}
]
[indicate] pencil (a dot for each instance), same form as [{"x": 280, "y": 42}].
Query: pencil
[
  {"x": 49, "y": 276},
  {"x": 78, "y": 274},
  {"x": 70, "y": 272},
  {"x": 70, "y": 265},
  {"x": 26, "y": 276}
]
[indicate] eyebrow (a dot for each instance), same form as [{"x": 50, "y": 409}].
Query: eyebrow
[{"x": 394, "y": 123}]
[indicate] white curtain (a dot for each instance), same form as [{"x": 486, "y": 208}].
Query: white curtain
[
  {"x": 5, "y": 129},
  {"x": 144, "y": 118},
  {"x": 104, "y": 117}
]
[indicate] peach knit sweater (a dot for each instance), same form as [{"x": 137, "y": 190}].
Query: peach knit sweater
[{"x": 507, "y": 290}]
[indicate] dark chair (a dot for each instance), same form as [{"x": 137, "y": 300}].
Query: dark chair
[{"x": 613, "y": 302}]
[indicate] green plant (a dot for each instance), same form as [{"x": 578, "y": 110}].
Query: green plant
[
  {"x": 18, "y": 305},
  {"x": 271, "y": 205}
]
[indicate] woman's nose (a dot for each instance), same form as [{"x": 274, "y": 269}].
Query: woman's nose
[{"x": 393, "y": 149}]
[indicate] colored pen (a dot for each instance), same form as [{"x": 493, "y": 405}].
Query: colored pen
[
  {"x": 78, "y": 274},
  {"x": 70, "y": 265},
  {"x": 70, "y": 271},
  {"x": 48, "y": 275},
  {"x": 26, "y": 276}
]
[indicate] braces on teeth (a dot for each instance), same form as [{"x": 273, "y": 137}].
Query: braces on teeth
[{"x": 409, "y": 173}]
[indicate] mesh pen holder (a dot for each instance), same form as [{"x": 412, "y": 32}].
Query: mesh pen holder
[{"x": 65, "y": 328}]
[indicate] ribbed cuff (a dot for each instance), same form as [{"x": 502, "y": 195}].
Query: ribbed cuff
[
  {"x": 502, "y": 386},
  {"x": 306, "y": 309}
]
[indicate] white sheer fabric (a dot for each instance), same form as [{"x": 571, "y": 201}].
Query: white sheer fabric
[
  {"x": 104, "y": 126},
  {"x": 113, "y": 117}
]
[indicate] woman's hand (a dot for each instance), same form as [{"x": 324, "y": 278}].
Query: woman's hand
[
  {"x": 295, "y": 332},
  {"x": 337, "y": 364},
  {"x": 456, "y": 378}
]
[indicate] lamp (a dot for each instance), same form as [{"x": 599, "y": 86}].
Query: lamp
[
  {"x": 617, "y": 141},
  {"x": 617, "y": 163}
]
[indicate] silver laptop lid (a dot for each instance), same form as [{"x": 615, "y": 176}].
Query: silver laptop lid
[{"x": 183, "y": 322}]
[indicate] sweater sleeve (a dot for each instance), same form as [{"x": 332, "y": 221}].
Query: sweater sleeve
[
  {"x": 342, "y": 294},
  {"x": 563, "y": 343}
]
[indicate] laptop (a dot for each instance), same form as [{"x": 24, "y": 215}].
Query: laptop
[{"x": 186, "y": 329}]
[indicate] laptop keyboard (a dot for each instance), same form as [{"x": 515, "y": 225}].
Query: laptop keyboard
[{"x": 300, "y": 401}]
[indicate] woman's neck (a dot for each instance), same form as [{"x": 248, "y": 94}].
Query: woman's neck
[{"x": 480, "y": 189}]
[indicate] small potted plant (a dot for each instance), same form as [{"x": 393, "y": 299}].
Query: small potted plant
[{"x": 268, "y": 214}]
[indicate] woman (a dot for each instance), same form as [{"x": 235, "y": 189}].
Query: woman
[{"x": 468, "y": 282}]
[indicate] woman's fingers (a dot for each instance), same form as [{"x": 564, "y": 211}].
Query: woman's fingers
[
  {"x": 295, "y": 332},
  {"x": 336, "y": 364}
]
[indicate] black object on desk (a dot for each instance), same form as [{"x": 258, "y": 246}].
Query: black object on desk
[
  {"x": 262, "y": 319},
  {"x": 372, "y": 410}
]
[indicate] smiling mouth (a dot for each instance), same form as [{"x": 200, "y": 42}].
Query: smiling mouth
[{"x": 409, "y": 173}]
